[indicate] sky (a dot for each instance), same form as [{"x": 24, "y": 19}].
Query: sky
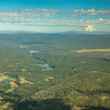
[
  {"x": 55, "y": 15},
  {"x": 55, "y": 3}
]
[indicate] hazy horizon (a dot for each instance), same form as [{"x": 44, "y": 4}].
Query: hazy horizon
[{"x": 55, "y": 16}]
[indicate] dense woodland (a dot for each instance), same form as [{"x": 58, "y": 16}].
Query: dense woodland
[{"x": 45, "y": 71}]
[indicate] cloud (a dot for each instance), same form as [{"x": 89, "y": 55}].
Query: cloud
[
  {"x": 26, "y": 15},
  {"x": 38, "y": 19},
  {"x": 91, "y": 11}
]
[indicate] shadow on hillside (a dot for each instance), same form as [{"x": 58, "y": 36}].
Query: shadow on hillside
[
  {"x": 95, "y": 108},
  {"x": 50, "y": 104}
]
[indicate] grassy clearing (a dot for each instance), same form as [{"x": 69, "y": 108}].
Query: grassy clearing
[{"x": 93, "y": 50}]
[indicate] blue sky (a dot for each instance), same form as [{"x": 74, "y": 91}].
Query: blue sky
[
  {"x": 54, "y": 15},
  {"x": 55, "y": 3}
]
